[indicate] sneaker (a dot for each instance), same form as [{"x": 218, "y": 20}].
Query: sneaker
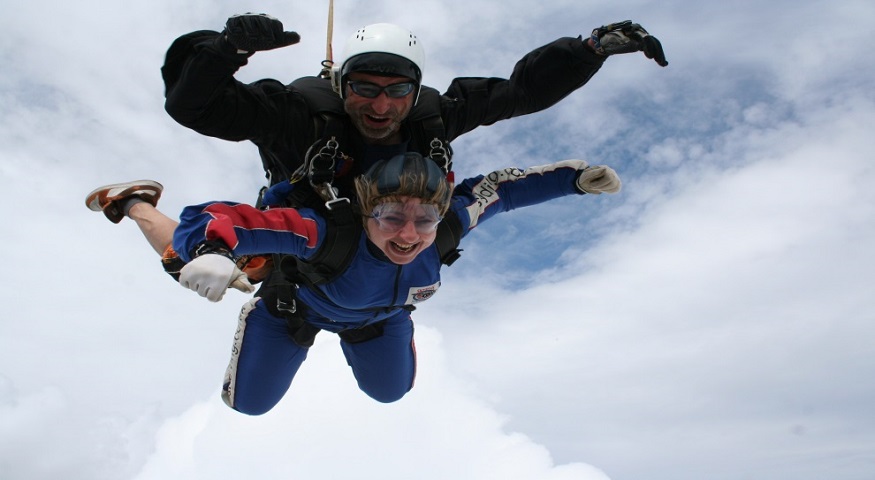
[{"x": 110, "y": 198}]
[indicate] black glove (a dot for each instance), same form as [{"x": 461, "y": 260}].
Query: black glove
[
  {"x": 627, "y": 37},
  {"x": 254, "y": 32}
]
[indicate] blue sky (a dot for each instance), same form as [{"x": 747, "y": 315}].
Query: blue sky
[{"x": 713, "y": 320}]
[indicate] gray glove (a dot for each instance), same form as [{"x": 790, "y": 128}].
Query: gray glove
[
  {"x": 255, "y": 32},
  {"x": 598, "y": 179},
  {"x": 627, "y": 37},
  {"x": 210, "y": 275}
]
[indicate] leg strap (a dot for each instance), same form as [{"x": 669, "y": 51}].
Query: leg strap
[
  {"x": 363, "y": 334},
  {"x": 280, "y": 298}
]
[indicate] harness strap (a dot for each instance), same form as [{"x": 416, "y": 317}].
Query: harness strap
[
  {"x": 439, "y": 148},
  {"x": 337, "y": 249},
  {"x": 449, "y": 235},
  {"x": 280, "y": 298},
  {"x": 319, "y": 167},
  {"x": 321, "y": 158},
  {"x": 362, "y": 334}
]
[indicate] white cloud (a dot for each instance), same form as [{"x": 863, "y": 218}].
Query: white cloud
[
  {"x": 325, "y": 428},
  {"x": 709, "y": 322},
  {"x": 735, "y": 295}
]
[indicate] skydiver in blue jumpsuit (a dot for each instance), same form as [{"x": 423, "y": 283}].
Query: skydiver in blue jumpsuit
[{"x": 395, "y": 266}]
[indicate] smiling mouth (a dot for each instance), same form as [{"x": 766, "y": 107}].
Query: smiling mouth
[
  {"x": 378, "y": 120},
  {"x": 403, "y": 248}
]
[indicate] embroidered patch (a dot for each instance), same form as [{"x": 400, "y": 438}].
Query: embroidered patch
[{"x": 421, "y": 294}]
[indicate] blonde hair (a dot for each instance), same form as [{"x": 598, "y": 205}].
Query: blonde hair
[{"x": 406, "y": 175}]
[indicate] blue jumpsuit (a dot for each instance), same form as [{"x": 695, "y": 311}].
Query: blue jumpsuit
[{"x": 372, "y": 289}]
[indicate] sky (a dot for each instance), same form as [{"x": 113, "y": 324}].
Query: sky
[{"x": 714, "y": 320}]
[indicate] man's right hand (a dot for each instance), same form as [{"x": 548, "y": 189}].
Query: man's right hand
[{"x": 254, "y": 32}]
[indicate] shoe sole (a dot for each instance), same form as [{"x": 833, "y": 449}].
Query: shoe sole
[{"x": 102, "y": 197}]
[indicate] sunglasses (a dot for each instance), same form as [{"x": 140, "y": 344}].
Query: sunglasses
[
  {"x": 372, "y": 90},
  {"x": 392, "y": 217}
]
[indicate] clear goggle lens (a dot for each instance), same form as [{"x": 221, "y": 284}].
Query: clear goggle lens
[{"x": 392, "y": 217}]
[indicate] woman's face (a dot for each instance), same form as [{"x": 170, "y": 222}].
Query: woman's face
[{"x": 403, "y": 229}]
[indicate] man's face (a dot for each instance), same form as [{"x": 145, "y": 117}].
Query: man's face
[{"x": 378, "y": 119}]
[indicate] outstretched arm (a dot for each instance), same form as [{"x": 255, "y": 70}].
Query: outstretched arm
[
  {"x": 244, "y": 230},
  {"x": 539, "y": 80},
  {"x": 477, "y": 199},
  {"x": 211, "y": 238},
  {"x": 202, "y": 93},
  {"x": 542, "y": 77}
]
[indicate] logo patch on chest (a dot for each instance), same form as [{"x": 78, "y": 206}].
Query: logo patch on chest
[{"x": 421, "y": 294}]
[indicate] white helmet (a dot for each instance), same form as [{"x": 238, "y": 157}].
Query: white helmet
[{"x": 381, "y": 49}]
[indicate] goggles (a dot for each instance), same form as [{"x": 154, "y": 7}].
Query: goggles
[
  {"x": 392, "y": 217},
  {"x": 372, "y": 90}
]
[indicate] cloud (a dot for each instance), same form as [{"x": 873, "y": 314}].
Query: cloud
[
  {"x": 711, "y": 321},
  {"x": 44, "y": 436},
  {"x": 326, "y": 428},
  {"x": 733, "y": 295}
]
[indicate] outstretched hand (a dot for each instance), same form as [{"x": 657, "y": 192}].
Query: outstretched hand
[
  {"x": 210, "y": 275},
  {"x": 254, "y": 32},
  {"x": 598, "y": 179},
  {"x": 627, "y": 37}
]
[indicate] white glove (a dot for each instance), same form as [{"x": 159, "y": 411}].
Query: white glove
[
  {"x": 210, "y": 275},
  {"x": 598, "y": 179}
]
